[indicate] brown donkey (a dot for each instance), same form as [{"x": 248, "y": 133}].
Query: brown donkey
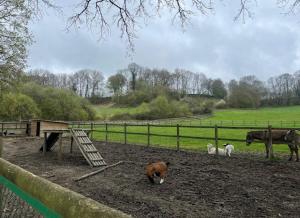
[
  {"x": 292, "y": 136},
  {"x": 278, "y": 137}
]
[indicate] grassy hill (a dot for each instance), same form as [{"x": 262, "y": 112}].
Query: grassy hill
[{"x": 105, "y": 112}]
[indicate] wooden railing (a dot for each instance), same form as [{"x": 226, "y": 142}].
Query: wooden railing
[{"x": 214, "y": 136}]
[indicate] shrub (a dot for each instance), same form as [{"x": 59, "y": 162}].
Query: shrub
[
  {"x": 160, "y": 108},
  {"x": 134, "y": 98},
  {"x": 208, "y": 107},
  {"x": 199, "y": 106},
  {"x": 16, "y": 106},
  {"x": 221, "y": 104},
  {"x": 59, "y": 104}
]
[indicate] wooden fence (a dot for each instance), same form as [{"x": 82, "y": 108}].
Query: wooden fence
[
  {"x": 201, "y": 122},
  {"x": 15, "y": 128},
  {"x": 105, "y": 128}
]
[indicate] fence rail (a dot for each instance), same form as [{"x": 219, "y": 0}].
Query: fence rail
[
  {"x": 18, "y": 127},
  {"x": 200, "y": 122},
  {"x": 179, "y": 132}
]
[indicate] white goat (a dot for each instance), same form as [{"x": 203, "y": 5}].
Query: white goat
[{"x": 223, "y": 152}]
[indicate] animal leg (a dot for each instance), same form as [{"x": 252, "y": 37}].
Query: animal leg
[
  {"x": 267, "y": 150},
  {"x": 291, "y": 152},
  {"x": 228, "y": 152},
  {"x": 297, "y": 154},
  {"x": 162, "y": 177},
  {"x": 151, "y": 179}
]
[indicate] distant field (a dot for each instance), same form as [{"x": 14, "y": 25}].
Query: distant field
[
  {"x": 104, "y": 112},
  {"x": 281, "y": 116}
]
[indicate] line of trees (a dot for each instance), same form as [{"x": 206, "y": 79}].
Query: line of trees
[
  {"x": 86, "y": 83},
  {"x": 136, "y": 84}
]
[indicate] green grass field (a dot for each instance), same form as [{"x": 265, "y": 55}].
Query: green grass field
[
  {"x": 278, "y": 117},
  {"x": 105, "y": 112}
]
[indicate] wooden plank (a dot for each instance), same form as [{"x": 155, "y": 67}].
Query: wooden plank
[
  {"x": 45, "y": 144},
  {"x": 60, "y": 147},
  {"x": 177, "y": 136},
  {"x": 97, "y": 171},
  {"x": 87, "y": 148},
  {"x": 80, "y": 148}
]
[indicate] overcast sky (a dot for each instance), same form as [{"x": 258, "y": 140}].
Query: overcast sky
[{"x": 218, "y": 46}]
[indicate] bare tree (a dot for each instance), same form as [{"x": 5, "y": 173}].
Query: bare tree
[
  {"x": 134, "y": 70},
  {"x": 126, "y": 14}
]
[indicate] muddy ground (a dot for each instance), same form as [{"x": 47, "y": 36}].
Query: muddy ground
[{"x": 198, "y": 185}]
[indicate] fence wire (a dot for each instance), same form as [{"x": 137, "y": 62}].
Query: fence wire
[{"x": 12, "y": 206}]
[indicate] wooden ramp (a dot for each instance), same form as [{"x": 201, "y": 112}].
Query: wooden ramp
[{"x": 87, "y": 148}]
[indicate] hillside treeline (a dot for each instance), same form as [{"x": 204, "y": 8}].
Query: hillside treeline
[{"x": 135, "y": 85}]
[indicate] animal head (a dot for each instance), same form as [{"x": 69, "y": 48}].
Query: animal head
[
  {"x": 209, "y": 146},
  {"x": 249, "y": 138},
  {"x": 225, "y": 144},
  {"x": 290, "y": 135}
]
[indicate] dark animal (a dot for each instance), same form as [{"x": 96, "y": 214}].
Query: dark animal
[
  {"x": 159, "y": 169},
  {"x": 292, "y": 136},
  {"x": 278, "y": 137}
]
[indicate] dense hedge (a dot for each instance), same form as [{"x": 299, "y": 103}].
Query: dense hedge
[{"x": 35, "y": 101}]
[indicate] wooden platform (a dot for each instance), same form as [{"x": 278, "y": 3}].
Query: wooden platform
[{"x": 87, "y": 148}]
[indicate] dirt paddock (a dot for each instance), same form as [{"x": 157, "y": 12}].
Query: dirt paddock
[{"x": 198, "y": 185}]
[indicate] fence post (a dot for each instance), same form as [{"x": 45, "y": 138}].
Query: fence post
[
  {"x": 270, "y": 146},
  {"x": 106, "y": 136},
  {"x": 1, "y": 146},
  {"x": 60, "y": 147},
  {"x": 125, "y": 133},
  {"x": 148, "y": 134},
  {"x": 2, "y": 128},
  {"x": 178, "y": 138},
  {"x": 216, "y": 140},
  {"x": 45, "y": 143},
  {"x": 92, "y": 130}
]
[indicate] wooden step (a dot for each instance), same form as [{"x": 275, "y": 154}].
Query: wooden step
[
  {"x": 91, "y": 151},
  {"x": 87, "y": 148}
]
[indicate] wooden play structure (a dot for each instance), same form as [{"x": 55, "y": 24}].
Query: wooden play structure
[
  {"x": 38, "y": 127},
  {"x": 53, "y": 132}
]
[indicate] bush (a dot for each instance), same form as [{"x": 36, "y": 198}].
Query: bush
[
  {"x": 59, "y": 104},
  {"x": 208, "y": 107},
  {"x": 16, "y": 106},
  {"x": 199, "y": 106},
  {"x": 160, "y": 108},
  {"x": 221, "y": 104}
]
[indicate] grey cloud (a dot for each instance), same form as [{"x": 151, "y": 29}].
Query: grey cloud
[{"x": 215, "y": 45}]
